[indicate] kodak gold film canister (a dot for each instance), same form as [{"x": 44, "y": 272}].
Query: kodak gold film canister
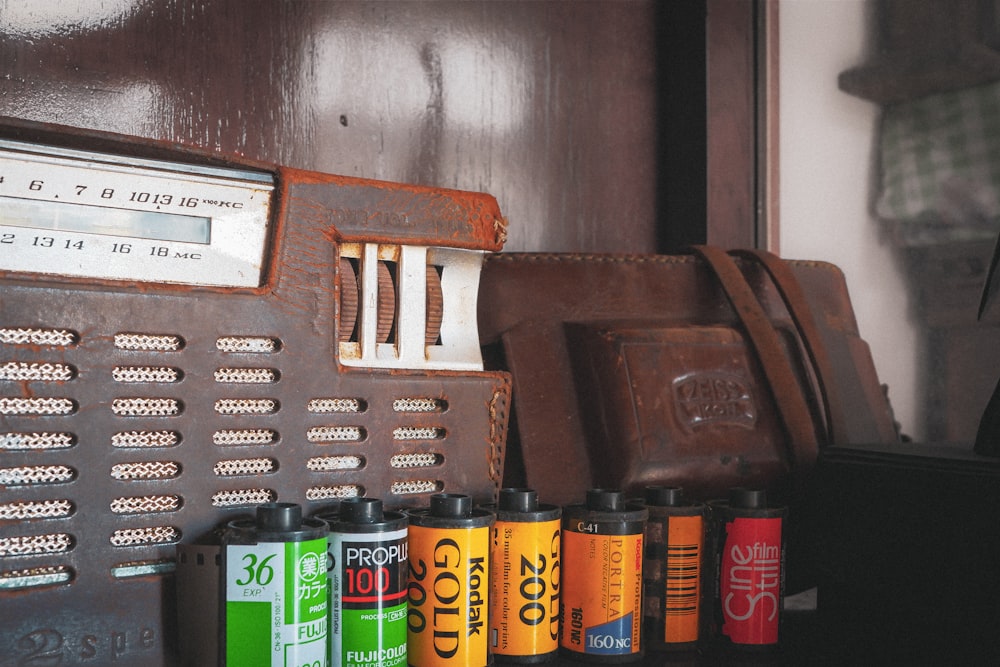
[
  {"x": 449, "y": 569},
  {"x": 672, "y": 569},
  {"x": 525, "y": 573},
  {"x": 602, "y": 578}
]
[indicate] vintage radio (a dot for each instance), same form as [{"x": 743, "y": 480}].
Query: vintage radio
[{"x": 184, "y": 337}]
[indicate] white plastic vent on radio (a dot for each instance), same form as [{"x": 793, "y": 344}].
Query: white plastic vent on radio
[{"x": 409, "y": 307}]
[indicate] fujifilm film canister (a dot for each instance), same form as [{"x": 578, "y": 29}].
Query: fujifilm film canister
[
  {"x": 368, "y": 577},
  {"x": 672, "y": 569},
  {"x": 602, "y": 578},
  {"x": 748, "y": 589},
  {"x": 525, "y": 572},
  {"x": 274, "y": 591},
  {"x": 449, "y": 570}
]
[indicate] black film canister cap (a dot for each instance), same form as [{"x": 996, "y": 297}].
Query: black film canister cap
[
  {"x": 451, "y": 505},
  {"x": 664, "y": 496},
  {"x": 751, "y": 499},
  {"x": 518, "y": 500},
  {"x": 279, "y": 517},
  {"x": 361, "y": 510},
  {"x": 602, "y": 500}
]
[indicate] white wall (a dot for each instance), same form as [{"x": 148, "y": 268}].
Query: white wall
[{"x": 827, "y": 169}]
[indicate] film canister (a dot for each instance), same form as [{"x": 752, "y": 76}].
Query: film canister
[
  {"x": 749, "y": 569},
  {"x": 368, "y": 584},
  {"x": 449, "y": 569},
  {"x": 275, "y": 600},
  {"x": 602, "y": 546},
  {"x": 672, "y": 569},
  {"x": 525, "y": 570}
]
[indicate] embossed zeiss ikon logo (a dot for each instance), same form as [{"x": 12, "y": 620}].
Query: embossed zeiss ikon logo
[{"x": 714, "y": 398}]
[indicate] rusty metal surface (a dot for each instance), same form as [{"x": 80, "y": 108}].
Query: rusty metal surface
[
  {"x": 548, "y": 106},
  {"x": 103, "y": 474}
]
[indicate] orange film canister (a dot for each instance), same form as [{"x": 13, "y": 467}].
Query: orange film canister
[
  {"x": 525, "y": 570},
  {"x": 602, "y": 578},
  {"x": 672, "y": 569},
  {"x": 449, "y": 567}
]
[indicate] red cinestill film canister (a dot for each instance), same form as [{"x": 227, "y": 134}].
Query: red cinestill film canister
[{"x": 749, "y": 551}]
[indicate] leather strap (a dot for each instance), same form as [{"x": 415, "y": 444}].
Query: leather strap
[
  {"x": 784, "y": 386},
  {"x": 798, "y": 307}
]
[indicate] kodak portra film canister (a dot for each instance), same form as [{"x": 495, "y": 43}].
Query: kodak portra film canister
[
  {"x": 525, "y": 572},
  {"x": 749, "y": 552},
  {"x": 368, "y": 585},
  {"x": 449, "y": 569},
  {"x": 671, "y": 571},
  {"x": 274, "y": 587},
  {"x": 602, "y": 578}
]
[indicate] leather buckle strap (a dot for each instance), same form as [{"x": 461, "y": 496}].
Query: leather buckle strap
[{"x": 784, "y": 386}]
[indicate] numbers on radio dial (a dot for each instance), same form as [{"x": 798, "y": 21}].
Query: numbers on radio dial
[
  {"x": 135, "y": 196},
  {"x": 50, "y": 242}
]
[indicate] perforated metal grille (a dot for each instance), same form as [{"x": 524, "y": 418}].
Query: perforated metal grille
[
  {"x": 36, "y": 406},
  {"x": 145, "y": 374},
  {"x": 256, "y": 344},
  {"x": 47, "y": 337},
  {"x": 148, "y": 342},
  {"x": 246, "y": 406},
  {"x": 132, "y": 537},
  {"x": 337, "y": 492},
  {"x": 212, "y": 397},
  {"x": 145, "y": 407},
  {"x": 48, "y": 575},
  {"x": 145, "y": 504},
  {"x": 23, "y": 371},
  {"x": 249, "y": 436},
  {"x": 145, "y": 439},
  {"x": 335, "y": 434},
  {"x": 329, "y": 463},
  {"x": 418, "y": 460},
  {"x": 33, "y": 545},
  {"x": 246, "y": 375},
  {"x": 419, "y": 405},
  {"x": 143, "y": 568},
  {"x": 145, "y": 470},
  {"x": 417, "y": 433},
  {"x": 242, "y": 497},
  {"x": 414, "y": 486},
  {"x": 232, "y": 467},
  {"x": 28, "y": 510},
  {"x": 27, "y": 441},
  {"x": 28, "y": 475},
  {"x": 334, "y": 405}
]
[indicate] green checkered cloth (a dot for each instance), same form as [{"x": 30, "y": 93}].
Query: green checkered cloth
[{"x": 940, "y": 166}]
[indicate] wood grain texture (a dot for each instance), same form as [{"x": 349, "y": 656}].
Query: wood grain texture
[{"x": 548, "y": 106}]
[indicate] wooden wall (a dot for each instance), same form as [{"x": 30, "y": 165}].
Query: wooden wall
[{"x": 549, "y": 106}]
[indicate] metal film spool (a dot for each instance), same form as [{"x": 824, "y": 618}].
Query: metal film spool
[
  {"x": 672, "y": 569},
  {"x": 525, "y": 578},
  {"x": 602, "y": 579},
  {"x": 368, "y": 584},
  {"x": 273, "y": 569},
  {"x": 748, "y": 547},
  {"x": 448, "y": 587}
]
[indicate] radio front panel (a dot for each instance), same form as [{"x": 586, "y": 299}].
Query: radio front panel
[{"x": 142, "y": 409}]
